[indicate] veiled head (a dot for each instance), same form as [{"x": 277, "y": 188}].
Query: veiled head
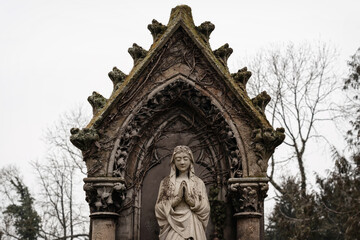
[{"x": 182, "y": 158}]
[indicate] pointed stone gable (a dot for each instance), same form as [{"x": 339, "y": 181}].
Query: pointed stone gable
[{"x": 180, "y": 91}]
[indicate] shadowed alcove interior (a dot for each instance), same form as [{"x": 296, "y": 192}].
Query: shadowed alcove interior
[{"x": 178, "y": 114}]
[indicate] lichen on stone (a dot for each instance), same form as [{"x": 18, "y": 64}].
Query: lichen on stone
[
  {"x": 84, "y": 138},
  {"x": 264, "y": 143},
  {"x": 156, "y": 29},
  {"x": 97, "y": 102},
  {"x": 261, "y": 101},
  {"x": 117, "y": 77},
  {"x": 242, "y": 76},
  {"x": 137, "y": 53},
  {"x": 206, "y": 29},
  {"x": 223, "y": 53}
]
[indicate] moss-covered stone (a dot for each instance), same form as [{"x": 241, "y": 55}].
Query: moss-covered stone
[
  {"x": 206, "y": 29},
  {"x": 97, "y": 102},
  {"x": 137, "y": 53},
  {"x": 84, "y": 138},
  {"x": 180, "y": 10},
  {"x": 242, "y": 76},
  {"x": 261, "y": 101},
  {"x": 117, "y": 77},
  {"x": 223, "y": 53},
  {"x": 264, "y": 143},
  {"x": 156, "y": 29}
]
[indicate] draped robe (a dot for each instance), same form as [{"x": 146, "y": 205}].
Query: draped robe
[{"x": 181, "y": 224}]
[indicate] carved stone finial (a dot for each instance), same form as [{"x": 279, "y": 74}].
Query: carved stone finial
[
  {"x": 242, "y": 76},
  {"x": 137, "y": 53},
  {"x": 223, "y": 53},
  {"x": 97, "y": 101},
  {"x": 264, "y": 143},
  {"x": 84, "y": 138},
  {"x": 260, "y": 101},
  {"x": 117, "y": 77},
  {"x": 156, "y": 29},
  {"x": 206, "y": 29}
]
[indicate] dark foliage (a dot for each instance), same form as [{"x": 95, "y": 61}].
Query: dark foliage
[
  {"x": 352, "y": 108},
  {"x": 333, "y": 213},
  {"x": 25, "y": 219},
  {"x": 339, "y": 199},
  {"x": 295, "y": 215}
]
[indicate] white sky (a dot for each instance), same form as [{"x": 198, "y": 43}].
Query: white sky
[{"x": 53, "y": 54}]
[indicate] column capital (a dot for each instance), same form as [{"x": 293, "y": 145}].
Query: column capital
[
  {"x": 247, "y": 195},
  {"x": 104, "y": 195}
]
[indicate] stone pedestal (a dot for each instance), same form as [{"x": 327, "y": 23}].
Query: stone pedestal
[
  {"x": 247, "y": 195},
  {"x": 248, "y": 225},
  {"x": 103, "y": 225}
]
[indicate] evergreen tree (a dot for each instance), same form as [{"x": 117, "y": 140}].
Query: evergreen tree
[
  {"x": 339, "y": 199},
  {"x": 295, "y": 215},
  {"x": 23, "y": 216},
  {"x": 351, "y": 109}
]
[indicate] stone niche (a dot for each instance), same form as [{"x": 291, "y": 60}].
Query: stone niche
[{"x": 179, "y": 92}]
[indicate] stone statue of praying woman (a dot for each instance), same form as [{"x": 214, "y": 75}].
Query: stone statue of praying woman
[{"x": 182, "y": 207}]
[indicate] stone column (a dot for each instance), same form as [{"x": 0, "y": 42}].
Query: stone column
[
  {"x": 105, "y": 196},
  {"x": 247, "y": 196}
]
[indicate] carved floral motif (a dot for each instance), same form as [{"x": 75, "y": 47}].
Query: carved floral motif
[
  {"x": 264, "y": 143},
  {"x": 105, "y": 197},
  {"x": 84, "y": 138},
  {"x": 248, "y": 197}
]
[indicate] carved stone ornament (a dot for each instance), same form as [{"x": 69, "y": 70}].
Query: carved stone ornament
[
  {"x": 223, "y": 53},
  {"x": 117, "y": 77},
  {"x": 248, "y": 196},
  {"x": 261, "y": 101},
  {"x": 137, "y": 53},
  {"x": 242, "y": 76},
  {"x": 97, "y": 101},
  {"x": 206, "y": 29},
  {"x": 156, "y": 29},
  {"x": 264, "y": 143},
  {"x": 179, "y": 89},
  {"x": 84, "y": 138},
  {"x": 104, "y": 194}
]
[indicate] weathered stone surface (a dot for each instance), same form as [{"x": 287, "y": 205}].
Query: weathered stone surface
[
  {"x": 137, "y": 53},
  {"x": 117, "y": 77},
  {"x": 206, "y": 29},
  {"x": 84, "y": 138},
  {"x": 242, "y": 77},
  {"x": 223, "y": 53},
  {"x": 261, "y": 101},
  {"x": 264, "y": 143},
  {"x": 178, "y": 93},
  {"x": 97, "y": 102},
  {"x": 156, "y": 29}
]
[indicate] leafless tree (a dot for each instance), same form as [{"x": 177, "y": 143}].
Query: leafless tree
[
  {"x": 61, "y": 198},
  {"x": 300, "y": 80}
]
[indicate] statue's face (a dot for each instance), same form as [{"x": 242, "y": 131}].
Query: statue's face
[{"x": 182, "y": 161}]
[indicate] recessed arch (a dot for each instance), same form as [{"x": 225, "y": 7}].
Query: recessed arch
[{"x": 178, "y": 89}]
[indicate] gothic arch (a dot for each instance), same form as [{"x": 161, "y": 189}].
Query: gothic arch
[{"x": 178, "y": 90}]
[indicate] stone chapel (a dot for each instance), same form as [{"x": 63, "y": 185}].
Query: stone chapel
[{"x": 179, "y": 92}]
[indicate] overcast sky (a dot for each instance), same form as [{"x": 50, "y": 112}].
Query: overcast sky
[{"x": 53, "y": 54}]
